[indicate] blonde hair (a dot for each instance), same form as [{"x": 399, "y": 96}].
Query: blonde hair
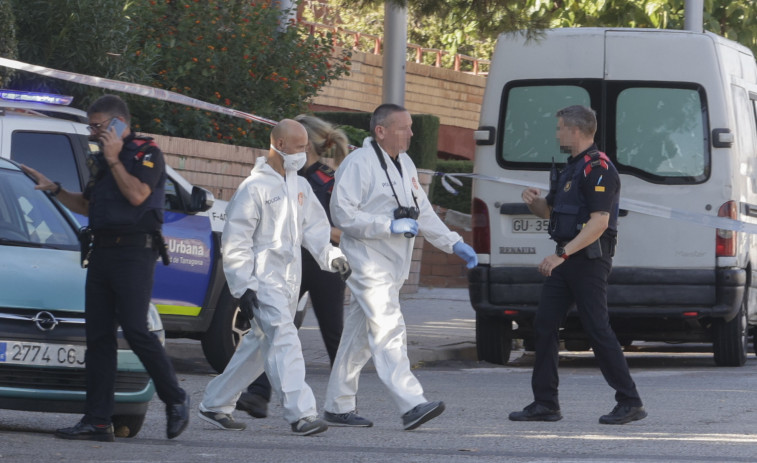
[{"x": 325, "y": 139}]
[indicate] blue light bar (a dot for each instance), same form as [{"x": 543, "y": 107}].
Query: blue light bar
[{"x": 48, "y": 98}]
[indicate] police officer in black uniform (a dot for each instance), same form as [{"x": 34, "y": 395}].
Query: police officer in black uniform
[
  {"x": 124, "y": 200},
  {"x": 326, "y": 289},
  {"x": 583, "y": 213}
]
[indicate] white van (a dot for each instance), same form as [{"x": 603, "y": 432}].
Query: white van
[{"x": 676, "y": 114}]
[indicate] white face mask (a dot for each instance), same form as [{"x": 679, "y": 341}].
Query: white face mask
[{"x": 292, "y": 161}]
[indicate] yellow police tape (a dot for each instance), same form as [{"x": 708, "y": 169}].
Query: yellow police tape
[{"x": 641, "y": 207}]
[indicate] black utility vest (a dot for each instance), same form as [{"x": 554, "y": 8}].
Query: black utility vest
[
  {"x": 570, "y": 211},
  {"x": 109, "y": 209}
]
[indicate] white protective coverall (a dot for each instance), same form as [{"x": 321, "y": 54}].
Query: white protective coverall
[
  {"x": 362, "y": 206},
  {"x": 261, "y": 251}
]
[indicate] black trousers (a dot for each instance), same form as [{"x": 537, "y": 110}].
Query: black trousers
[
  {"x": 118, "y": 292},
  {"x": 583, "y": 281},
  {"x": 327, "y": 296}
]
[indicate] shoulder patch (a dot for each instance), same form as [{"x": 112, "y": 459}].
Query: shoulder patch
[{"x": 326, "y": 170}]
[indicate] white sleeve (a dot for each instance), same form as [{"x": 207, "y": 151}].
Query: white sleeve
[
  {"x": 351, "y": 192},
  {"x": 242, "y": 216},
  {"x": 316, "y": 231}
]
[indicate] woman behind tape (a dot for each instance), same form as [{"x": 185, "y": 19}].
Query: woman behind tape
[{"x": 326, "y": 289}]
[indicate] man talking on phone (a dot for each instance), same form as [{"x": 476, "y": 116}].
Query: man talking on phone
[{"x": 124, "y": 201}]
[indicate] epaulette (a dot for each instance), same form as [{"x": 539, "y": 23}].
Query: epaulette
[
  {"x": 324, "y": 174},
  {"x": 595, "y": 159},
  {"x": 143, "y": 145}
]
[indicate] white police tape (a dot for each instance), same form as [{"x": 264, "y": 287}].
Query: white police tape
[
  {"x": 135, "y": 89},
  {"x": 632, "y": 205}
]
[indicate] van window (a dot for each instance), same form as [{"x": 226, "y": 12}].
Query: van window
[
  {"x": 50, "y": 153},
  {"x": 661, "y": 132},
  {"x": 530, "y": 124},
  {"x": 657, "y": 132}
]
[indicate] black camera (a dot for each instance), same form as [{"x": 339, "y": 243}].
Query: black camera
[{"x": 403, "y": 212}]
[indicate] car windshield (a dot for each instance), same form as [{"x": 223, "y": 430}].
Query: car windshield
[{"x": 28, "y": 217}]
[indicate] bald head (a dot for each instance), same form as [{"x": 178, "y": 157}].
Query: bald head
[{"x": 286, "y": 129}]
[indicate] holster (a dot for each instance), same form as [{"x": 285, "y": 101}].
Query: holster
[{"x": 160, "y": 242}]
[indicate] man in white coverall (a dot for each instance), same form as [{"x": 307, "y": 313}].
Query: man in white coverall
[
  {"x": 273, "y": 212},
  {"x": 379, "y": 205}
]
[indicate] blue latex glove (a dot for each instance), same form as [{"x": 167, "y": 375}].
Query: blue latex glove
[
  {"x": 407, "y": 226},
  {"x": 466, "y": 253}
]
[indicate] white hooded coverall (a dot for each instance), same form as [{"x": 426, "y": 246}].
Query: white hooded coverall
[
  {"x": 261, "y": 251},
  {"x": 362, "y": 206}
]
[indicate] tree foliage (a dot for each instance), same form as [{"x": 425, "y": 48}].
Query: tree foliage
[
  {"x": 7, "y": 38},
  {"x": 231, "y": 53},
  {"x": 471, "y": 27},
  {"x": 228, "y": 52}
]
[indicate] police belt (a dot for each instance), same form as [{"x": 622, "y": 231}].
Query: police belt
[
  {"x": 133, "y": 240},
  {"x": 605, "y": 243}
]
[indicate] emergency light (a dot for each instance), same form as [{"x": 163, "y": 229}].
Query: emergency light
[{"x": 36, "y": 97}]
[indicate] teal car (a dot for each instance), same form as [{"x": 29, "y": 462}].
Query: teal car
[{"x": 42, "y": 338}]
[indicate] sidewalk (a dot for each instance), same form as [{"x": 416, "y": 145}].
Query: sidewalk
[{"x": 440, "y": 326}]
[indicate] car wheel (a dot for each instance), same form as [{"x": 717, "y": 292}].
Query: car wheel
[
  {"x": 127, "y": 425},
  {"x": 730, "y": 340},
  {"x": 494, "y": 338},
  {"x": 224, "y": 333}
]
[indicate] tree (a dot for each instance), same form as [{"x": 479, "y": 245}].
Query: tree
[
  {"x": 227, "y": 52},
  {"x": 471, "y": 27},
  {"x": 230, "y": 53},
  {"x": 87, "y": 36},
  {"x": 7, "y": 38}
]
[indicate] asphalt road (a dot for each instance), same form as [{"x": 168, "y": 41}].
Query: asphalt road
[{"x": 697, "y": 412}]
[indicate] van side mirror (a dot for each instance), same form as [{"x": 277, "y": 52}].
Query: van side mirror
[{"x": 201, "y": 200}]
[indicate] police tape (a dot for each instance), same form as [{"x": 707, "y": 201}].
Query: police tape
[
  {"x": 134, "y": 89},
  {"x": 640, "y": 207}
]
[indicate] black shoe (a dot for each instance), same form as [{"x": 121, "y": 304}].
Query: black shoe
[
  {"x": 177, "y": 417},
  {"x": 86, "y": 431},
  {"x": 421, "y": 414},
  {"x": 623, "y": 414},
  {"x": 536, "y": 412},
  {"x": 254, "y": 404}
]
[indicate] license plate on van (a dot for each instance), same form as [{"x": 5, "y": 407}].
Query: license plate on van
[
  {"x": 42, "y": 354},
  {"x": 530, "y": 225}
]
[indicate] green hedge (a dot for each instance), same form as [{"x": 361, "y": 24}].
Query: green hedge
[
  {"x": 441, "y": 197},
  {"x": 423, "y": 146}
]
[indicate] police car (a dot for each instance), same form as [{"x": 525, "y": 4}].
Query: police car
[{"x": 44, "y": 132}]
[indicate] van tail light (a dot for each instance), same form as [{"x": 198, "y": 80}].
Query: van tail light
[
  {"x": 480, "y": 222},
  {"x": 725, "y": 240}
]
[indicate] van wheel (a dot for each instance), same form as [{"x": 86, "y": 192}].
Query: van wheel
[
  {"x": 494, "y": 339},
  {"x": 730, "y": 340},
  {"x": 224, "y": 333},
  {"x": 127, "y": 425}
]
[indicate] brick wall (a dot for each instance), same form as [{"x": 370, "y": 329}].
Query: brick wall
[
  {"x": 455, "y": 97},
  {"x": 439, "y": 269}
]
